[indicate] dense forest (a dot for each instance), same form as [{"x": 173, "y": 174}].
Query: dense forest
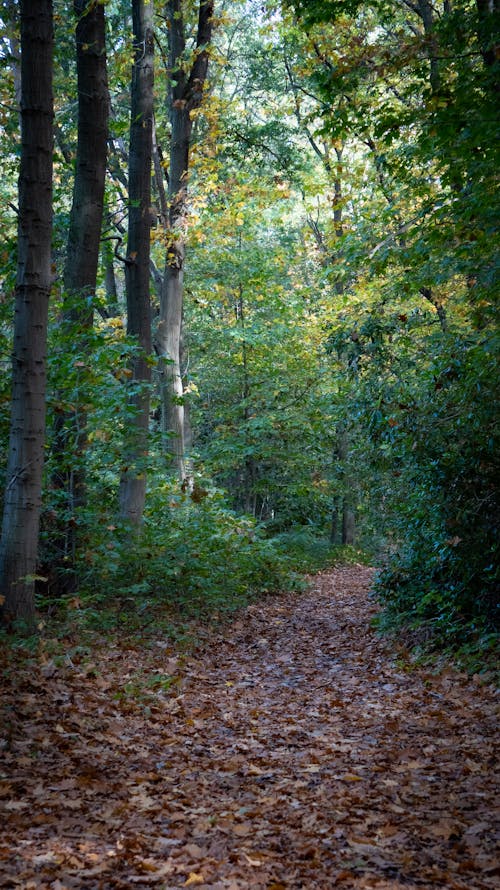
[{"x": 248, "y": 269}]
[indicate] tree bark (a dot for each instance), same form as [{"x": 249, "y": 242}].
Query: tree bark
[
  {"x": 21, "y": 517},
  {"x": 426, "y": 13},
  {"x": 137, "y": 270},
  {"x": 107, "y": 258},
  {"x": 80, "y": 271},
  {"x": 82, "y": 256},
  {"x": 348, "y": 514},
  {"x": 185, "y": 95}
]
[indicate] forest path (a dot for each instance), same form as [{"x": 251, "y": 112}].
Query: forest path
[{"x": 289, "y": 751}]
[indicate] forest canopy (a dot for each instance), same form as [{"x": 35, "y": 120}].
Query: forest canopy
[{"x": 249, "y": 268}]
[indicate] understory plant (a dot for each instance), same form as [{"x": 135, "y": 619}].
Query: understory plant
[{"x": 192, "y": 554}]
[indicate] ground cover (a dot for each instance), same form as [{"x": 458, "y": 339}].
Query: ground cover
[{"x": 293, "y": 748}]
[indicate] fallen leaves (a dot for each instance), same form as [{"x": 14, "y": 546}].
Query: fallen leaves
[
  {"x": 193, "y": 879},
  {"x": 287, "y": 753}
]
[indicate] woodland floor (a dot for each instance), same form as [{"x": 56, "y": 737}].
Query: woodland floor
[{"x": 291, "y": 750}]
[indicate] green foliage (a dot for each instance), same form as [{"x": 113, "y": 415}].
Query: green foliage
[
  {"x": 193, "y": 555},
  {"x": 419, "y": 393},
  {"x": 446, "y": 573},
  {"x": 88, "y": 376},
  {"x": 308, "y": 552}
]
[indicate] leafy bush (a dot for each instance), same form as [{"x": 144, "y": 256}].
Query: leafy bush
[
  {"x": 445, "y": 576},
  {"x": 192, "y": 553},
  {"x": 308, "y": 552}
]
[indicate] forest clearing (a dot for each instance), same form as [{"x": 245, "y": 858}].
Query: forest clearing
[{"x": 291, "y": 749}]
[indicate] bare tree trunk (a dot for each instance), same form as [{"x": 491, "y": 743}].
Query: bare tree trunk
[
  {"x": 21, "y": 517},
  {"x": 185, "y": 94},
  {"x": 107, "y": 257},
  {"x": 82, "y": 257},
  {"x": 169, "y": 339},
  {"x": 347, "y": 501},
  {"x": 137, "y": 270},
  {"x": 426, "y": 13},
  {"x": 348, "y": 523},
  {"x": 348, "y": 514},
  {"x": 334, "y": 526}
]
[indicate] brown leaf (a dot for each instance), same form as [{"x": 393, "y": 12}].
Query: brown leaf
[{"x": 194, "y": 878}]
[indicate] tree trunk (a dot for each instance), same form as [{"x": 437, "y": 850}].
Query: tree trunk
[
  {"x": 426, "y": 13},
  {"x": 185, "y": 94},
  {"x": 112, "y": 302},
  {"x": 348, "y": 514},
  {"x": 21, "y": 517},
  {"x": 137, "y": 270},
  {"x": 335, "y": 537},
  {"x": 169, "y": 340},
  {"x": 82, "y": 257},
  {"x": 348, "y": 523},
  {"x": 80, "y": 271},
  {"x": 249, "y": 468}
]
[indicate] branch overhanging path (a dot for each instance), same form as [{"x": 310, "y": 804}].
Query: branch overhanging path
[{"x": 292, "y": 750}]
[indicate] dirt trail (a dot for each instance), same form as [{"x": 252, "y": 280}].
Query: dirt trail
[{"x": 291, "y": 751}]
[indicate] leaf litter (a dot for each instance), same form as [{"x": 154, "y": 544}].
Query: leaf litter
[{"x": 294, "y": 750}]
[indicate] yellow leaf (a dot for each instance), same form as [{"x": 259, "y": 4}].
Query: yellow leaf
[{"x": 194, "y": 878}]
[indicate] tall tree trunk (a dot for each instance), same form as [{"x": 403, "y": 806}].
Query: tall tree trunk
[
  {"x": 348, "y": 500},
  {"x": 82, "y": 257},
  {"x": 426, "y": 13},
  {"x": 185, "y": 94},
  {"x": 248, "y": 499},
  {"x": 137, "y": 270},
  {"x": 335, "y": 537},
  {"x": 107, "y": 258},
  {"x": 21, "y": 517}
]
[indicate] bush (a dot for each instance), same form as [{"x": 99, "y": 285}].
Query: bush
[
  {"x": 192, "y": 554},
  {"x": 308, "y": 552}
]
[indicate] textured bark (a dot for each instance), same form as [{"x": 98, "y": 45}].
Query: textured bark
[
  {"x": 84, "y": 234},
  {"x": 82, "y": 257},
  {"x": 137, "y": 270},
  {"x": 348, "y": 513},
  {"x": 426, "y": 13},
  {"x": 185, "y": 94},
  {"x": 112, "y": 303},
  {"x": 335, "y": 537},
  {"x": 347, "y": 501},
  {"x": 21, "y": 517}
]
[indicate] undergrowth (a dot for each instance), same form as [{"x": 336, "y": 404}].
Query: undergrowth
[{"x": 308, "y": 552}]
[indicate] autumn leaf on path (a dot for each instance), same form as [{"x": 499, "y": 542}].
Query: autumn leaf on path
[{"x": 313, "y": 761}]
